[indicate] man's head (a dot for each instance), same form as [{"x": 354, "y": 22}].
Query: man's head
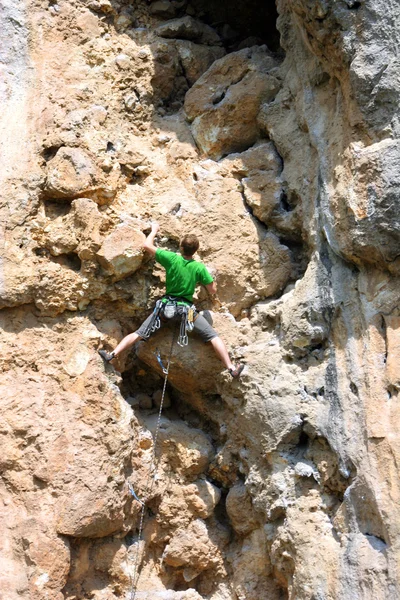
[{"x": 189, "y": 245}]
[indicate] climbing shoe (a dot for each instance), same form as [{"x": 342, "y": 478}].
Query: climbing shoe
[
  {"x": 237, "y": 371},
  {"x": 107, "y": 356}
]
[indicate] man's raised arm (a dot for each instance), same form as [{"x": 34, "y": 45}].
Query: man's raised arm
[
  {"x": 211, "y": 288},
  {"x": 149, "y": 241}
]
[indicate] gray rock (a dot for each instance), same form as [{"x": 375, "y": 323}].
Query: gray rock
[
  {"x": 163, "y": 8},
  {"x": 187, "y": 28},
  {"x": 157, "y": 399},
  {"x": 144, "y": 400}
]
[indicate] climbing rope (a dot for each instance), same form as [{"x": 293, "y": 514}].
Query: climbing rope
[{"x": 152, "y": 476}]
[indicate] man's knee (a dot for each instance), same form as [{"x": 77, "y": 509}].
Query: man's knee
[
  {"x": 204, "y": 329},
  {"x": 207, "y": 314}
]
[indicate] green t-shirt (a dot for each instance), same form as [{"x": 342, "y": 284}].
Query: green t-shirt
[{"x": 182, "y": 275}]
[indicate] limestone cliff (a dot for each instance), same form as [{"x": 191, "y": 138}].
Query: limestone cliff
[{"x": 271, "y": 132}]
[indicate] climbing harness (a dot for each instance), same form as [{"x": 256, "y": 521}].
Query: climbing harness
[
  {"x": 170, "y": 308},
  {"x": 152, "y": 476}
]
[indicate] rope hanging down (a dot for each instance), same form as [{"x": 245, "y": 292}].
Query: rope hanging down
[{"x": 152, "y": 476}]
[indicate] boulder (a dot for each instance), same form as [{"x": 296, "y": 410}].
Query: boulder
[
  {"x": 72, "y": 173},
  {"x": 187, "y": 28},
  {"x": 162, "y": 8},
  {"x": 182, "y": 503},
  {"x": 223, "y": 104},
  {"x": 79, "y": 231},
  {"x": 122, "y": 252},
  {"x": 90, "y": 514},
  {"x": 196, "y": 58},
  {"x": 186, "y": 450},
  {"x": 157, "y": 399},
  {"x": 192, "y": 547},
  {"x": 143, "y": 400},
  {"x": 240, "y": 509}
]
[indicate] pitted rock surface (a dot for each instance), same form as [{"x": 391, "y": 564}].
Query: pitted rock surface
[{"x": 277, "y": 144}]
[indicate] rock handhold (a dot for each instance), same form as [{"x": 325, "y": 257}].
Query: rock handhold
[
  {"x": 90, "y": 515},
  {"x": 79, "y": 231},
  {"x": 240, "y": 510},
  {"x": 187, "y": 28},
  {"x": 224, "y": 103},
  {"x": 72, "y": 174},
  {"x": 122, "y": 252},
  {"x": 192, "y": 547}
]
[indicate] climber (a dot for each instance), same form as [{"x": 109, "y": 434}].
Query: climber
[{"x": 183, "y": 273}]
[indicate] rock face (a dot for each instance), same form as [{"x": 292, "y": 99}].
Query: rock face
[{"x": 283, "y": 484}]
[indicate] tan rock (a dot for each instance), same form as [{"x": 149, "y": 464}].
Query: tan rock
[
  {"x": 259, "y": 169},
  {"x": 240, "y": 509},
  {"x": 224, "y": 103},
  {"x": 196, "y": 58},
  {"x": 393, "y": 349},
  {"x": 185, "y": 450},
  {"x": 202, "y": 498},
  {"x": 122, "y": 252},
  {"x": 310, "y": 430},
  {"x": 72, "y": 173},
  {"x": 192, "y": 547}
]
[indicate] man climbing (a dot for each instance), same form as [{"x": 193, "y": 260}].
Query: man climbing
[{"x": 183, "y": 273}]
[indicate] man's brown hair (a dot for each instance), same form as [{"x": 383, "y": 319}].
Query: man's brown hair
[{"x": 189, "y": 244}]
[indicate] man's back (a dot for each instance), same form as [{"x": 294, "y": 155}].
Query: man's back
[{"x": 182, "y": 275}]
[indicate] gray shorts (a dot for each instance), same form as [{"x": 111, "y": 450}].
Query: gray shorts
[{"x": 201, "y": 326}]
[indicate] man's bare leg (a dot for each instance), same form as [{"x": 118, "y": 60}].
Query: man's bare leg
[
  {"x": 222, "y": 353},
  {"x": 126, "y": 343}
]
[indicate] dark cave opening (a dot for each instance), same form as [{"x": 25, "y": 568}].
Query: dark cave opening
[{"x": 240, "y": 20}]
